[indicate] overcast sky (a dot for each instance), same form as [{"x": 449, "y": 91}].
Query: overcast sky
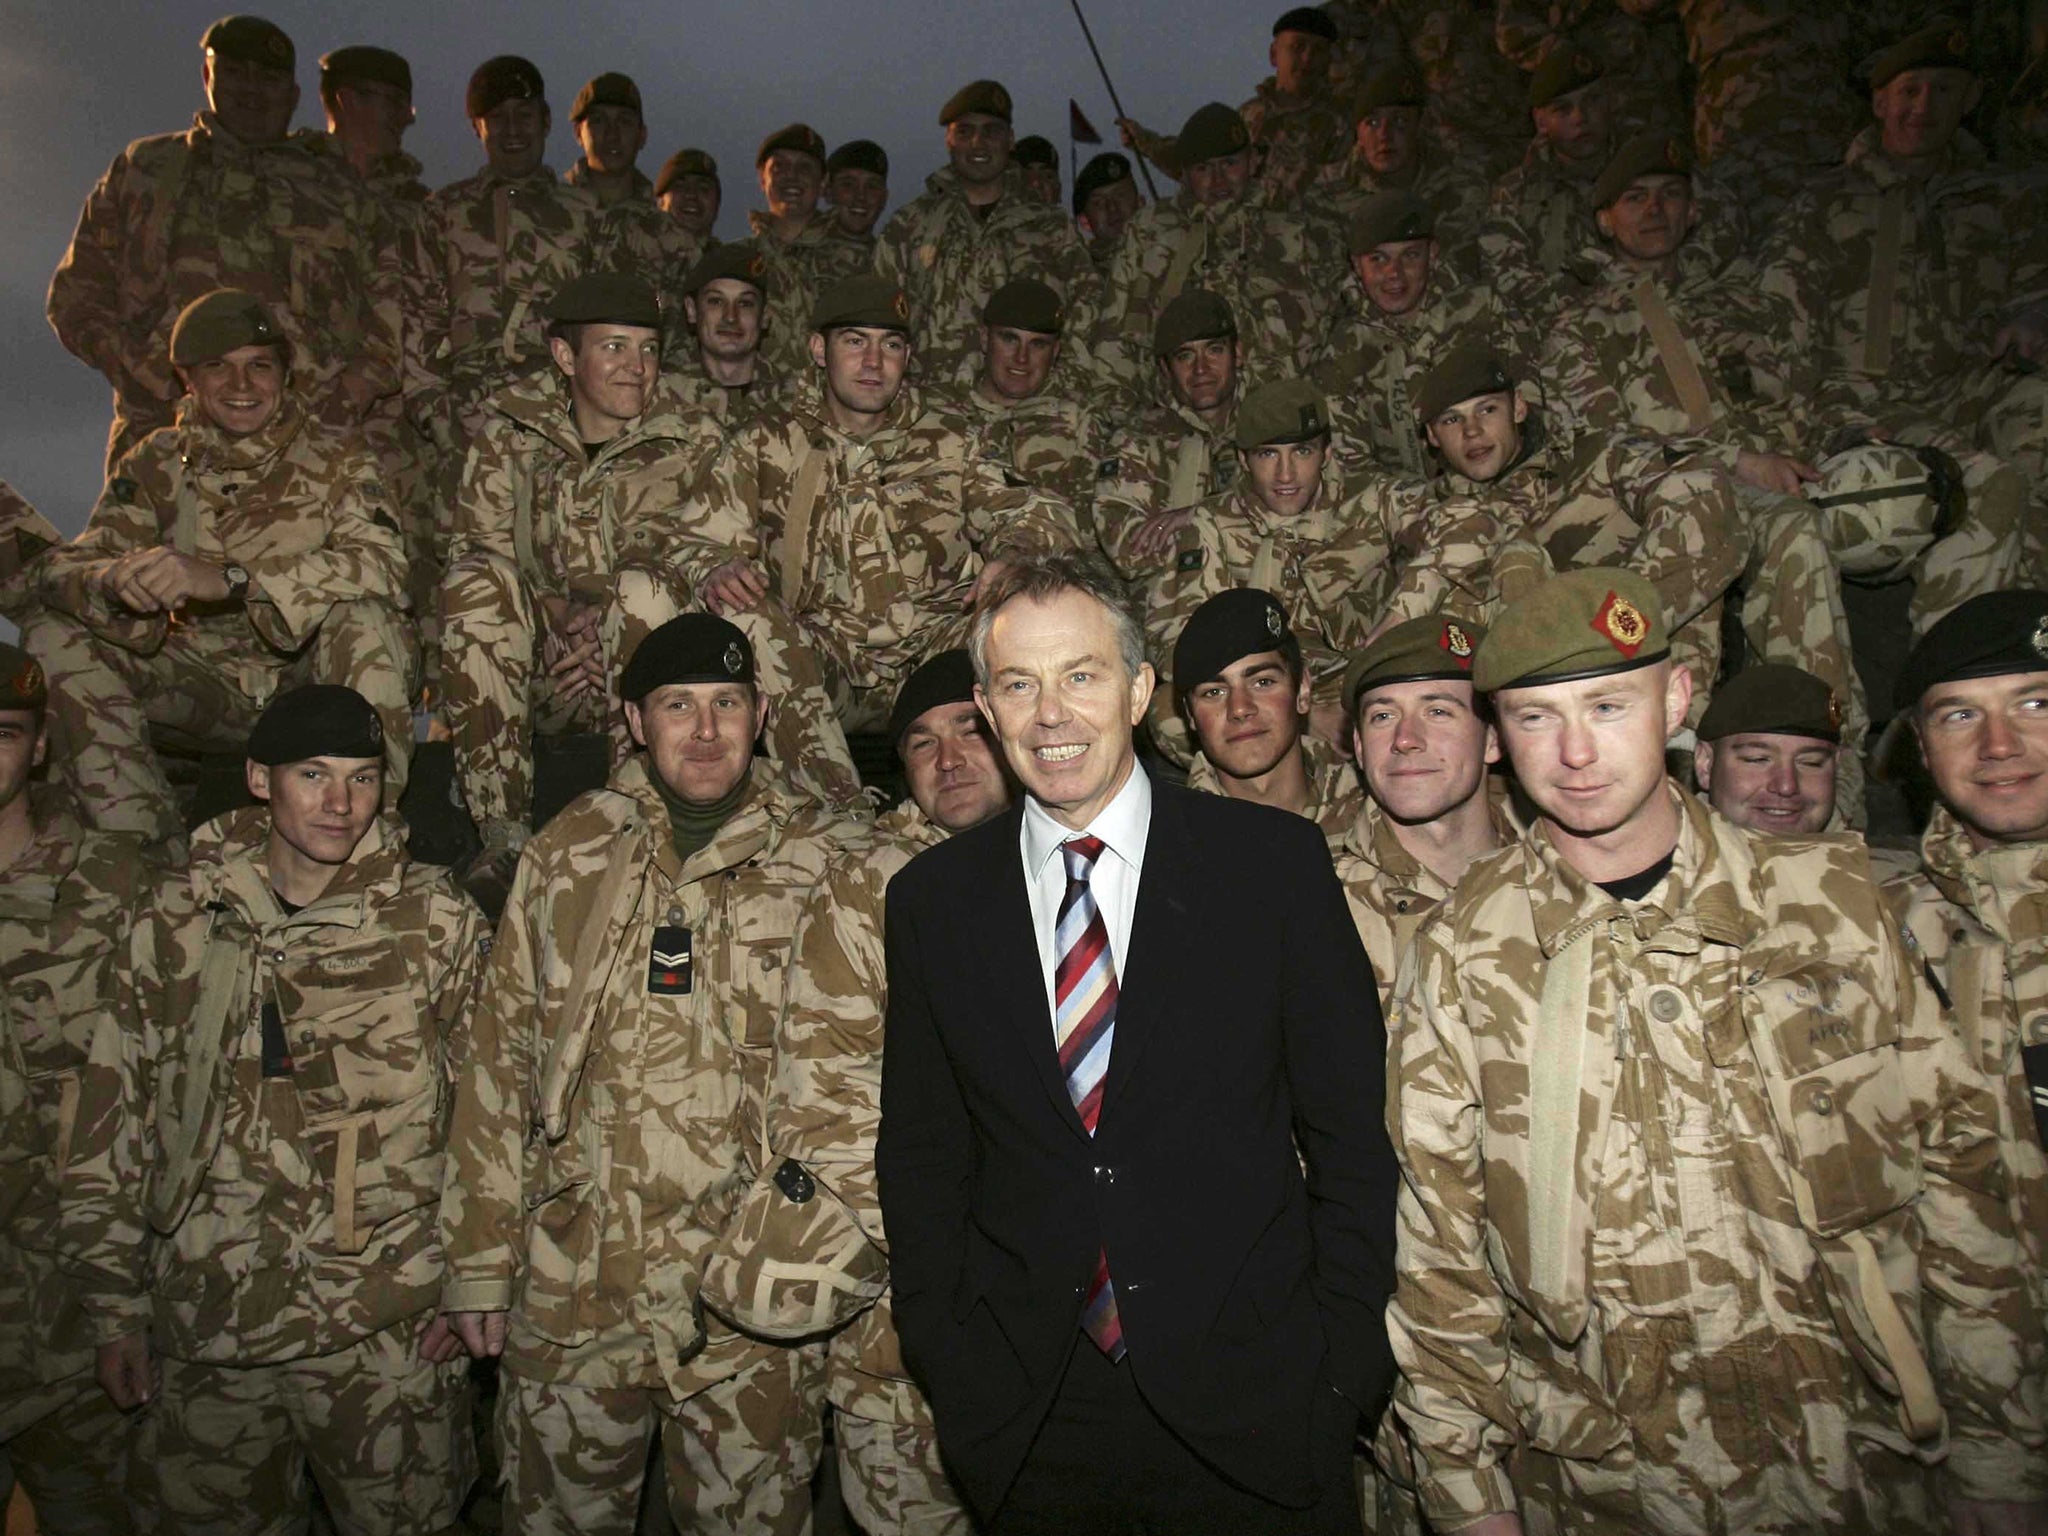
[{"x": 82, "y": 78}]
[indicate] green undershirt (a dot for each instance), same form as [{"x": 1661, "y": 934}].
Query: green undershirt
[{"x": 692, "y": 824}]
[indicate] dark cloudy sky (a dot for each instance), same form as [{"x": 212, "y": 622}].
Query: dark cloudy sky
[{"x": 81, "y": 78}]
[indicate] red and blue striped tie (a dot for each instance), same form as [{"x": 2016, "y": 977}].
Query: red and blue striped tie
[{"x": 1084, "y": 1015}]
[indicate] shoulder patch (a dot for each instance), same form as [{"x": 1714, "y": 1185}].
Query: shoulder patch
[
  {"x": 1014, "y": 481},
  {"x": 123, "y": 490},
  {"x": 1190, "y": 559},
  {"x": 483, "y": 947},
  {"x": 1109, "y": 467}
]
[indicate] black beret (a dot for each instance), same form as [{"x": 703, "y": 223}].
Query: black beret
[
  {"x": 22, "y": 683},
  {"x": 1566, "y": 68},
  {"x": 740, "y": 260},
  {"x": 1772, "y": 699},
  {"x": 1025, "y": 304},
  {"x": 1311, "y": 19},
  {"x": 496, "y": 81},
  {"x": 1036, "y": 149},
  {"x": 1469, "y": 369},
  {"x": 800, "y": 137},
  {"x": 686, "y": 162},
  {"x": 986, "y": 97},
  {"x": 216, "y": 323},
  {"x": 1227, "y": 628},
  {"x": 1647, "y": 154},
  {"x": 859, "y": 155},
  {"x": 1990, "y": 635},
  {"x": 599, "y": 297},
  {"x": 316, "y": 720},
  {"x": 1103, "y": 170},
  {"x": 690, "y": 648},
  {"x": 1389, "y": 216},
  {"x": 1211, "y": 132},
  {"x": 1942, "y": 44},
  {"x": 868, "y": 299},
  {"x": 1195, "y": 314},
  {"x": 610, "y": 89},
  {"x": 252, "y": 40},
  {"x": 364, "y": 65},
  {"x": 947, "y": 678}
]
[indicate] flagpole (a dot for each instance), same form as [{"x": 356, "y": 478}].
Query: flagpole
[{"x": 1144, "y": 169}]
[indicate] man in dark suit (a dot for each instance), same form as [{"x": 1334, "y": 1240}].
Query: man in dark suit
[{"x": 1115, "y": 1013}]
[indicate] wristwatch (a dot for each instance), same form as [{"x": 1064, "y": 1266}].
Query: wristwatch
[{"x": 238, "y": 582}]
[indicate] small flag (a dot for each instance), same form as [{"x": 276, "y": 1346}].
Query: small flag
[{"x": 1079, "y": 129}]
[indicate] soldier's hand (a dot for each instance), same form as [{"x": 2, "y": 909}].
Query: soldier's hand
[
  {"x": 1979, "y": 1517},
  {"x": 438, "y": 1341},
  {"x": 482, "y": 1333},
  {"x": 2023, "y": 339},
  {"x": 1778, "y": 472},
  {"x": 1155, "y": 537},
  {"x": 1128, "y": 129},
  {"x": 159, "y": 579},
  {"x": 126, "y": 1371},
  {"x": 735, "y": 587},
  {"x": 357, "y": 391}
]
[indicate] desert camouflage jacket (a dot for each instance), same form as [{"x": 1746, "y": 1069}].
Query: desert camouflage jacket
[
  {"x": 797, "y": 272},
  {"x": 1335, "y": 794},
  {"x": 1157, "y": 459}
]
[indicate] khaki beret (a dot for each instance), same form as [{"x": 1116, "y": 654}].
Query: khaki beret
[
  {"x": 1210, "y": 133},
  {"x": 364, "y": 65},
  {"x": 1647, "y": 154},
  {"x": 985, "y": 97},
  {"x": 216, "y": 323},
  {"x": 1312, "y": 19},
  {"x": 1036, "y": 149},
  {"x": 22, "y": 683},
  {"x": 316, "y": 720},
  {"x": 610, "y": 89},
  {"x": 799, "y": 137},
  {"x": 859, "y": 155},
  {"x": 1417, "y": 651},
  {"x": 1566, "y": 68},
  {"x": 1469, "y": 369},
  {"x": 1284, "y": 411},
  {"x": 1392, "y": 85},
  {"x": 1942, "y": 44},
  {"x": 1386, "y": 217},
  {"x": 867, "y": 300},
  {"x": 252, "y": 40},
  {"x": 686, "y": 162},
  {"x": 1025, "y": 304},
  {"x": 595, "y": 298},
  {"x": 690, "y": 648},
  {"x": 740, "y": 260},
  {"x": 1772, "y": 699},
  {"x": 1230, "y": 626},
  {"x": 497, "y": 81},
  {"x": 1194, "y": 315},
  {"x": 1991, "y": 635},
  {"x": 1103, "y": 170},
  {"x": 1581, "y": 624}
]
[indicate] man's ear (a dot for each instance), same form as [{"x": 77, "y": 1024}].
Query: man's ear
[
  {"x": 257, "y": 776},
  {"x": 563, "y": 354},
  {"x": 636, "y": 726}
]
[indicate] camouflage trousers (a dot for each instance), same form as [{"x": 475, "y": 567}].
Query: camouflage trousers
[
  {"x": 738, "y": 1455},
  {"x": 405, "y": 460},
  {"x": 226, "y": 1450},
  {"x": 72, "y": 1461},
  {"x": 2015, "y": 427},
  {"x": 1387, "y": 1500},
  {"x": 202, "y": 690},
  {"x": 890, "y": 1476}
]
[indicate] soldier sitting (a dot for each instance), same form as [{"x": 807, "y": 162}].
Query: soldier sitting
[
  {"x": 608, "y": 1127},
  {"x": 1244, "y": 695},
  {"x": 1391, "y": 152},
  {"x": 802, "y": 256},
  {"x": 857, "y": 190},
  {"x": 1769, "y": 750},
  {"x": 720, "y": 367},
  {"x": 67, "y": 899},
  {"x": 1105, "y": 202},
  {"x": 263, "y": 1202},
  {"x": 242, "y": 551},
  {"x": 688, "y": 191}
]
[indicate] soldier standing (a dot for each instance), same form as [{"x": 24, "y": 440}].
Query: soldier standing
[
  {"x": 236, "y": 201},
  {"x": 1040, "y": 163},
  {"x": 605, "y": 1132},
  {"x": 1770, "y": 749},
  {"x": 611, "y": 127},
  {"x": 67, "y": 897},
  {"x": 802, "y": 256},
  {"x": 719, "y": 366},
  {"x": 1105, "y": 202},
  {"x": 688, "y": 191},
  {"x": 261, "y": 1210},
  {"x": 244, "y": 550},
  {"x": 857, "y": 190},
  {"x": 1663, "y": 1089}
]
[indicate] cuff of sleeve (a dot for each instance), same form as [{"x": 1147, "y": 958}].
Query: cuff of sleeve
[
  {"x": 116, "y": 1317},
  {"x": 1456, "y": 1497},
  {"x": 479, "y": 1294}
]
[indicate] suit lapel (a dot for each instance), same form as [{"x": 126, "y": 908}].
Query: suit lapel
[{"x": 1159, "y": 926}]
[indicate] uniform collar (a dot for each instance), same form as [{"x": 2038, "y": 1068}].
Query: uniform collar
[{"x": 2005, "y": 888}]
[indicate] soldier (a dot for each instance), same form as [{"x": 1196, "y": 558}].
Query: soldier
[
  {"x": 1769, "y": 747},
  {"x": 1975, "y": 689},
  {"x": 366, "y": 94},
  {"x": 1040, "y": 163},
  {"x": 825, "y": 1102},
  {"x": 971, "y": 231},
  {"x": 802, "y": 256},
  {"x": 244, "y": 550},
  {"x": 611, "y": 128},
  {"x": 1217, "y": 234},
  {"x": 236, "y": 201},
  {"x": 1047, "y": 439},
  {"x": 688, "y": 191},
  {"x": 1286, "y": 526},
  {"x": 1662, "y": 1087},
  {"x": 1390, "y": 152},
  {"x": 850, "y": 537},
  {"x": 1244, "y": 697},
  {"x": 25, "y": 536},
  {"x": 1643, "y": 55},
  {"x": 723, "y": 371},
  {"x": 1105, "y": 202},
  {"x": 66, "y": 898},
  {"x": 857, "y": 190},
  {"x": 260, "y": 1202},
  {"x": 605, "y": 1131}
]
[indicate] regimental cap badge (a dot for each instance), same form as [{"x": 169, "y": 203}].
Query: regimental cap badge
[
  {"x": 1622, "y": 623},
  {"x": 1834, "y": 710},
  {"x": 1675, "y": 154},
  {"x": 735, "y": 659},
  {"x": 374, "y": 728},
  {"x": 900, "y": 306},
  {"x": 1959, "y": 43},
  {"x": 758, "y": 266},
  {"x": 1459, "y": 644},
  {"x": 2039, "y": 639},
  {"x": 1276, "y": 621}
]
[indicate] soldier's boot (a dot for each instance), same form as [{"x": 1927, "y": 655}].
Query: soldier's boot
[
  {"x": 574, "y": 1458},
  {"x": 741, "y": 1454},
  {"x": 891, "y": 1479},
  {"x": 73, "y": 1463},
  {"x": 2016, "y": 427},
  {"x": 369, "y": 646},
  {"x": 488, "y": 675}
]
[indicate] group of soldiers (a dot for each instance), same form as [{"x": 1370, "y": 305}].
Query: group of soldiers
[{"x": 1634, "y": 335}]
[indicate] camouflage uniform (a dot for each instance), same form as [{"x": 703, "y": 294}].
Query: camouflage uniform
[
  {"x": 65, "y": 904},
  {"x": 1978, "y": 921},
  {"x": 901, "y": 525},
  {"x": 25, "y": 534},
  {"x": 1454, "y": 188},
  {"x": 601, "y": 1144},
  {"x": 1475, "y": 96},
  {"x": 798, "y": 271},
  {"x": 270, "y": 1220},
  {"x": 642, "y": 238},
  {"x": 298, "y": 507},
  {"x": 824, "y": 1109},
  {"x": 1052, "y": 442},
  {"x": 181, "y": 214},
  {"x": 1740, "y": 1274},
  {"x": 949, "y": 261},
  {"x": 1165, "y": 457},
  {"x": 1335, "y": 795},
  {"x": 1294, "y": 138},
  {"x": 769, "y": 394},
  {"x": 1642, "y": 57}
]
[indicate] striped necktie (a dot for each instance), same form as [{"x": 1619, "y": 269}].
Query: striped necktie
[{"x": 1084, "y": 1013}]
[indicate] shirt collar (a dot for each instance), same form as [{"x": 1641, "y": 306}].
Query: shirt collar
[{"x": 1121, "y": 824}]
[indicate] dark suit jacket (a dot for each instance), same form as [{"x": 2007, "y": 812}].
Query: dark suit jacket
[{"x": 1247, "y": 1023}]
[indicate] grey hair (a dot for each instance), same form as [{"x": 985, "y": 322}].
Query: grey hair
[{"x": 1040, "y": 578}]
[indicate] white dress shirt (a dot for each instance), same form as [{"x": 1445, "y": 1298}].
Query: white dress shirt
[{"x": 1122, "y": 825}]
